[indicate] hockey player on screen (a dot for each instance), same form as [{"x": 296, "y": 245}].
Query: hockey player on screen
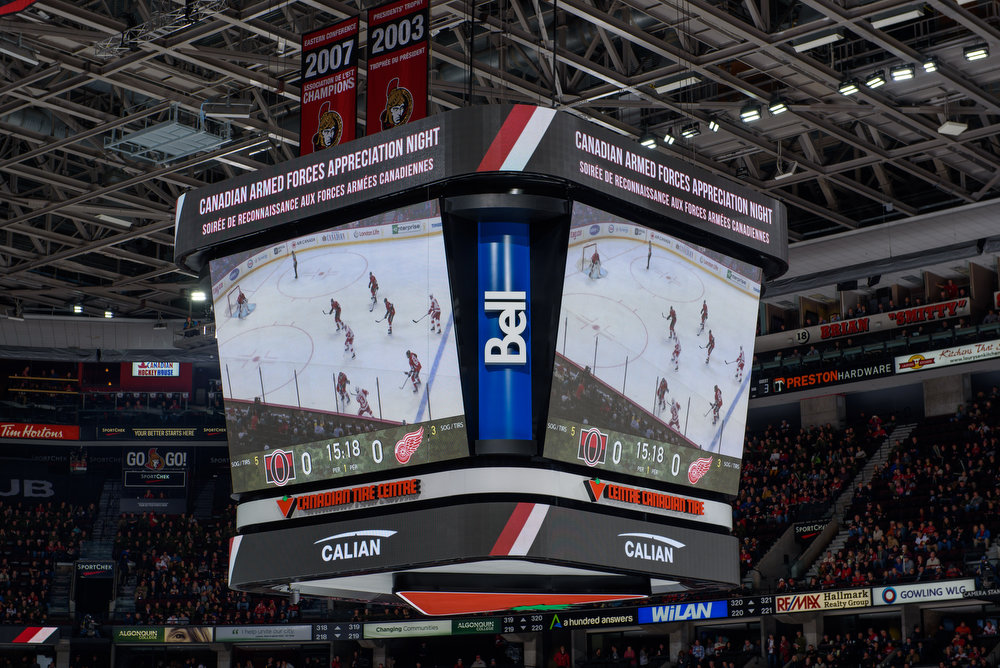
[
  {"x": 673, "y": 321},
  {"x": 373, "y": 286},
  {"x": 414, "y": 372},
  {"x": 661, "y": 394},
  {"x": 676, "y": 357},
  {"x": 675, "y": 410},
  {"x": 242, "y": 310},
  {"x": 390, "y": 312},
  {"x": 335, "y": 311},
  {"x": 716, "y": 405},
  {"x": 649, "y": 253},
  {"x": 704, "y": 316},
  {"x": 435, "y": 313},
  {"x": 595, "y": 265},
  {"x": 342, "y": 383},
  {"x": 349, "y": 340},
  {"x": 710, "y": 346},
  {"x": 740, "y": 361},
  {"x": 363, "y": 407}
]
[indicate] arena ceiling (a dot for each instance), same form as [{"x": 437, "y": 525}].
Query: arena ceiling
[{"x": 86, "y": 212}]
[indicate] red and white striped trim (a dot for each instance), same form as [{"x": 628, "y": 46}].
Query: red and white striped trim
[
  {"x": 517, "y": 139},
  {"x": 520, "y": 531},
  {"x": 34, "y": 635}
]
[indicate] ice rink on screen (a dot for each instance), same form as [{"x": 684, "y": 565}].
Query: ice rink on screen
[
  {"x": 288, "y": 350},
  {"x": 622, "y": 314}
]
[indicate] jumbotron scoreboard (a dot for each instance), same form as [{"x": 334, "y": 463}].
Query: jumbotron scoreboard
[{"x": 493, "y": 359}]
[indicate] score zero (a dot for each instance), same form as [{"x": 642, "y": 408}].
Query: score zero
[{"x": 170, "y": 459}]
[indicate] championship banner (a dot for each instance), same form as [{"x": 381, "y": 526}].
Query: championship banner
[
  {"x": 398, "y": 58},
  {"x": 14, "y": 6},
  {"x": 329, "y": 86}
]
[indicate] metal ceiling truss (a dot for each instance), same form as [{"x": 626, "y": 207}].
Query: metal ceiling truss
[{"x": 81, "y": 224}]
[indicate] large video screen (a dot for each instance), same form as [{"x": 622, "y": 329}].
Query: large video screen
[
  {"x": 338, "y": 352},
  {"x": 652, "y": 355}
]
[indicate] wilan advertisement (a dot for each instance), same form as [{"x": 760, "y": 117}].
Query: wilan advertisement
[
  {"x": 398, "y": 57},
  {"x": 329, "y": 86}
]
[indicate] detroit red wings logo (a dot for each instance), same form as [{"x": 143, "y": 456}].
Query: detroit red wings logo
[
  {"x": 406, "y": 446},
  {"x": 698, "y": 469}
]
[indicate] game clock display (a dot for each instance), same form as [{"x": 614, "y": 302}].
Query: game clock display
[
  {"x": 651, "y": 369},
  {"x": 338, "y": 352}
]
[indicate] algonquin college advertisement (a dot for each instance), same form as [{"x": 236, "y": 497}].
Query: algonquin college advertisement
[
  {"x": 652, "y": 355},
  {"x": 338, "y": 353}
]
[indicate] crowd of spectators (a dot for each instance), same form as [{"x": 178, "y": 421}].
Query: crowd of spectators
[
  {"x": 931, "y": 510},
  {"x": 33, "y": 538},
  {"x": 793, "y": 475},
  {"x": 258, "y": 426},
  {"x": 180, "y": 567},
  {"x": 584, "y": 398}
]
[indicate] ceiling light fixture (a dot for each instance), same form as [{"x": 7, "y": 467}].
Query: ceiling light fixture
[
  {"x": 669, "y": 139},
  {"x": 902, "y": 72},
  {"x": 893, "y": 19},
  {"x": 930, "y": 65},
  {"x": 876, "y": 79},
  {"x": 691, "y": 131},
  {"x": 977, "y": 52},
  {"x": 750, "y": 113},
  {"x": 819, "y": 41},
  {"x": 648, "y": 140},
  {"x": 849, "y": 87},
  {"x": 676, "y": 85},
  {"x": 198, "y": 296},
  {"x": 77, "y": 308},
  {"x": 713, "y": 125},
  {"x": 953, "y": 128},
  {"x": 227, "y": 109},
  {"x": 109, "y": 314},
  {"x": 777, "y": 107}
]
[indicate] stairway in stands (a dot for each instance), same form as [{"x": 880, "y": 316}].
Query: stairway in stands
[
  {"x": 843, "y": 502},
  {"x": 62, "y": 579},
  {"x": 204, "y": 501}
]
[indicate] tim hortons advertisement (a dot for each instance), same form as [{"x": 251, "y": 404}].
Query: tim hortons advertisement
[
  {"x": 494, "y": 138},
  {"x": 955, "y": 308},
  {"x": 972, "y": 352},
  {"x": 398, "y": 57},
  {"x": 329, "y": 86},
  {"x": 537, "y": 532},
  {"x": 55, "y": 432}
]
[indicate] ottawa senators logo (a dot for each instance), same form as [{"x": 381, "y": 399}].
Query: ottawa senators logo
[
  {"x": 329, "y": 130},
  {"x": 398, "y": 105}
]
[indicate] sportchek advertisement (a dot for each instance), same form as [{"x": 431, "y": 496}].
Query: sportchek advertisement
[
  {"x": 917, "y": 315},
  {"x": 477, "y": 531},
  {"x": 398, "y": 58},
  {"x": 919, "y": 593},
  {"x": 329, "y": 86},
  {"x": 154, "y": 468},
  {"x": 471, "y": 140},
  {"x": 972, "y": 352}
]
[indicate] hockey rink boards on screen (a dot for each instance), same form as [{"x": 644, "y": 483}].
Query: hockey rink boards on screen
[{"x": 338, "y": 352}]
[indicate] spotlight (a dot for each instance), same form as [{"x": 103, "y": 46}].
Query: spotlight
[
  {"x": 198, "y": 296},
  {"x": 109, "y": 314},
  {"x": 77, "y": 308},
  {"x": 669, "y": 139},
  {"x": 902, "y": 72},
  {"x": 953, "y": 128},
  {"x": 930, "y": 65},
  {"x": 713, "y": 126},
  {"x": 849, "y": 87},
  {"x": 777, "y": 107},
  {"x": 977, "y": 52},
  {"x": 690, "y": 131},
  {"x": 750, "y": 113},
  {"x": 648, "y": 140},
  {"x": 875, "y": 79}
]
